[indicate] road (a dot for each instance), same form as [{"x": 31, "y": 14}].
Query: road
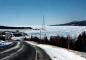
[
  {"x": 41, "y": 55},
  {"x": 32, "y": 51},
  {"x": 26, "y": 52}
]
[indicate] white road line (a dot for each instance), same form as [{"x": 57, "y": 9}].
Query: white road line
[
  {"x": 36, "y": 51},
  {"x": 36, "y": 55}
]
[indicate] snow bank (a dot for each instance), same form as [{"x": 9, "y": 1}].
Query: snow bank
[
  {"x": 2, "y": 43},
  {"x": 57, "y": 53},
  {"x": 60, "y": 54}
]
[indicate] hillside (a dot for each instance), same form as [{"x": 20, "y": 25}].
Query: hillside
[{"x": 73, "y": 23}]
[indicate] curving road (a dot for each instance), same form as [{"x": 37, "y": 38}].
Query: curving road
[
  {"x": 24, "y": 51},
  {"x": 27, "y": 53}
]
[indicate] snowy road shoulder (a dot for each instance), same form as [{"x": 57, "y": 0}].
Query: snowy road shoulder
[
  {"x": 15, "y": 47},
  {"x": 57, "y": 53}
]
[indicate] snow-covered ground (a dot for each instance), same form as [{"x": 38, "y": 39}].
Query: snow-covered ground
[
  {"x": 73, "y": 31},
  {"x": 2, "y": 43},
  {"x": 57, "y": 53},
  {"x": 15, "y": 47}
]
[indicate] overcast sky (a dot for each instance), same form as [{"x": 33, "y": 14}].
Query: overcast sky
[{"x": 30, "y": 12}]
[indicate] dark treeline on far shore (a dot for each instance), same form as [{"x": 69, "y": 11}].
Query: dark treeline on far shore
[
  {"x": 65, "y": 42},
  {"x": 8, "y": 27}
]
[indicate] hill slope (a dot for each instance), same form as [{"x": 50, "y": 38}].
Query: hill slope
[{"x": 74, "y": 23}]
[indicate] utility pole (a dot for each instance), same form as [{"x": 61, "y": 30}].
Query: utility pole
[
  {"x": 40, "y": 33},
  {"x": 68, "y": 41}
]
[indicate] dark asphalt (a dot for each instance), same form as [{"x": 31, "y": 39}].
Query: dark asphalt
[
  {"x": 41, "y": 54},
  {"x": 27, "y": 53},
  {"x": 2, "y": 55},
  {"x": 11, "y": 45}
]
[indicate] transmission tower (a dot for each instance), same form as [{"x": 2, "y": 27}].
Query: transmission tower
[{"x": 43, "y": 25}]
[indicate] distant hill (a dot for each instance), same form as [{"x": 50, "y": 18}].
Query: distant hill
[
  {"x": 73, "y": 23},
  {"x": 9, "y": 27}
]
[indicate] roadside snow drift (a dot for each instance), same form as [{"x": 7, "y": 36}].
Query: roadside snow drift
[{"x": 57, "y": 53}]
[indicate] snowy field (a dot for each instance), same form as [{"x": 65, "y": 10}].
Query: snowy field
[{"x": 73, "y": 31}]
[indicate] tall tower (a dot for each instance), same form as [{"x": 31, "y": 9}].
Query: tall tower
[{"x": 43, "y": 25}]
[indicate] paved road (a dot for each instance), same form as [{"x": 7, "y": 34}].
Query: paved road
[
  {"x": 41, "y": 55},
  {"x": 6, "y": 52},
  {"x": 27, "y": 52}
]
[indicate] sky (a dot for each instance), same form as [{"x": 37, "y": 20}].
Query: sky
[{"x": 31, "y": 12}]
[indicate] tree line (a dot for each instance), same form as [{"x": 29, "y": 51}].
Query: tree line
[{"x": 68, "y": 42}]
